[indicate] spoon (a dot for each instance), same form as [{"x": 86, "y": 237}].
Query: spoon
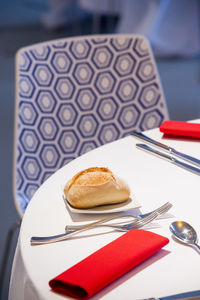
[{"x": 184, "y": 232}]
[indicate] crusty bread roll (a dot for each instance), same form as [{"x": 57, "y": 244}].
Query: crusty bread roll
[{"x": 95, "y": 186}]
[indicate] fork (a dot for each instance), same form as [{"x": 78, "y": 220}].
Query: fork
[
  {"x": 138, "y": 223},
  {"x": 160, "y": 210}
]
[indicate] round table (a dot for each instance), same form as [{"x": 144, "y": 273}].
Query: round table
[{"x": 153, "y": 181}]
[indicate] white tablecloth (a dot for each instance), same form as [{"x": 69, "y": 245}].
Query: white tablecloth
[{"x": 174, "y": 269}]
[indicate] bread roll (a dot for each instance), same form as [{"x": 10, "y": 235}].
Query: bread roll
[{"x": 95, "y": 186}]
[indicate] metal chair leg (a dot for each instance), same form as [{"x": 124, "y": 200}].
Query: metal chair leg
[{"x": 6, "y": 253}]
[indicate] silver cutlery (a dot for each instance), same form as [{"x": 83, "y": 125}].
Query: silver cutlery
[
  {"x": 138, "y": 223},
  {"x": 170, "y": 159},
  {"x": 160, "y": 211},
  {"x": 56, "y": 238},
  {"x": 193, "y": 295},
  {"x": 168, "y": 149},
  {"x": 185, "y": 233}
]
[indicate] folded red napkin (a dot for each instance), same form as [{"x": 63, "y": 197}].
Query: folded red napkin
[
  {"x": 107, "y": 264},
  {"x": 181, "y": 128}
]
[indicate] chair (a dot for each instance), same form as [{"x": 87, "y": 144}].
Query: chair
[{"x": 75, "y": 94}]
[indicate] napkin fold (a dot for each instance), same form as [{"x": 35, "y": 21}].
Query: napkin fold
[
  {"x": 180, "y": 128},
  {"x": 96, "y": 271}
]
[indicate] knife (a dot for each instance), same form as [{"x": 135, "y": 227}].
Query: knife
[
  {"x": 194, "y": 295},
  {"x": 169, "y": 158},
  {"x": 166, "y": 148}
]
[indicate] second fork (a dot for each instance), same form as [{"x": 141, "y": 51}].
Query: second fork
[{"x": 160, "y": 211}]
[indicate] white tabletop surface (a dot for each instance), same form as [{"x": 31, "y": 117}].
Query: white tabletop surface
[{"x": 154, "y": 181}]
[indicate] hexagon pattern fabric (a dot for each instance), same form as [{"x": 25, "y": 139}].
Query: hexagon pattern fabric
[{"x": 76, "y": 94}]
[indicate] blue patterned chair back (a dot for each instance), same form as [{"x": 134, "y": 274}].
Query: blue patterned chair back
[{"x": 75, "y": 94}]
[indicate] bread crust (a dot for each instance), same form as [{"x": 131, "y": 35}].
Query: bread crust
[{"x": 95, "y": 186}]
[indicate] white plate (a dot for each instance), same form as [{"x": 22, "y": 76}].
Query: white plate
[{"x": 130, "y": 203}]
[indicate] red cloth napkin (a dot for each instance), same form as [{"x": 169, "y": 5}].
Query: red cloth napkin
[
  {"x": 107, "y": 264},
  {"x": 180, "y": 128}
]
